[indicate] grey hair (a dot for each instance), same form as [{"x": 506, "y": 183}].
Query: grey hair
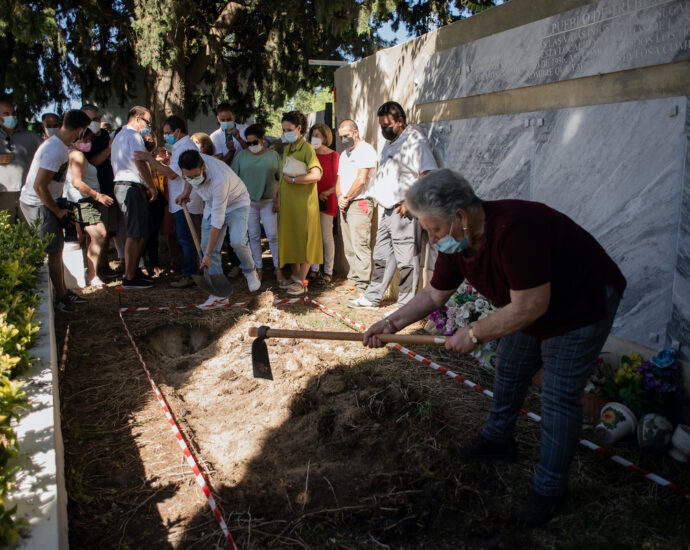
[{"x": 440, "y": 194}]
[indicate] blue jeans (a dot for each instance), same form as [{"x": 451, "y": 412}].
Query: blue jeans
[
  {"x": 566, "y": 360},
  {"x": 184, "y": 237},
  {"x": 236, "y": 221}
]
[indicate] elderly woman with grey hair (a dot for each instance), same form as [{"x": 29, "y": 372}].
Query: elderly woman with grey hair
[{"x": 559, "y": 292}]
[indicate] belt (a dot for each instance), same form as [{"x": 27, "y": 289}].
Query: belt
[{"x": 128, "y": 183}]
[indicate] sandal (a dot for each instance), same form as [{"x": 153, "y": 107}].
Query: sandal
[{"x": 326, "y": 278}]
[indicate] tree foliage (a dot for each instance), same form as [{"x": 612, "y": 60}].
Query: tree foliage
[{"x": 189, "y": 54}]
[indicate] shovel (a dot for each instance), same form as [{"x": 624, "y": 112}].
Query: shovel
[
  {"x": 261, "y": 364},
  {"x": 218, "y": 285}
]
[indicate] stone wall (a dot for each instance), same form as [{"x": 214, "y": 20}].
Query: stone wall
[{"x": 581, "y": 105}]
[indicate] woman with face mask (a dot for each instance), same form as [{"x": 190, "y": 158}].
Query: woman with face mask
[
  {"x": 82, "y": 187},
  {"x": 299, "y": 227},
  {"x": 321, "y": 137},
  {"x": 259, "y": 169}
]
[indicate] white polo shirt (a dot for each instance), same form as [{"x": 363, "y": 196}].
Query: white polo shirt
[
  {"x": 351, "y": 161},
  {"x": 127, "y": 142},
  {"x": 400, "y": 164},
  {"x": 51, "y": 155},
  {"x": 219, "y": 143},
  {"x": 223, "y": 191},
  {"x": 176, "y": 186}
]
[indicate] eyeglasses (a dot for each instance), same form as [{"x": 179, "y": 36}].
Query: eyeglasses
[
  {"x": 256, "y": 142},
  {"x": 148, "y": 122}
]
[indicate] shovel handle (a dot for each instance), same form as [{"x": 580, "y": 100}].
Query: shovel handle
[
  {"x": 421, "y": 339},
  {"x": 192, "y": 230}
]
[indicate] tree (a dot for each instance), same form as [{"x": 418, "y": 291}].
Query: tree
[{"x": 189, "y": 54}]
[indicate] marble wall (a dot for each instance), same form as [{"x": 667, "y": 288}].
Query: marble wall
[
  {"x": 598, "y": 38},
  {"x": 622, "y": 171}
]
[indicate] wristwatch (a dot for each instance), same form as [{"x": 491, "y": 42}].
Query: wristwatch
[
  {"x": 293, "y": 179},
  {"x": 474, "y": 339}
]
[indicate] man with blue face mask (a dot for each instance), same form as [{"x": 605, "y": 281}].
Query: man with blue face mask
[
  {"x": 230, "y": 137},
  {"x": 132, "y": 184},
  {"x": 226, "y": 208},
  {"x": 558, "y": 291},
  {"x": 17, "y": 148},
  {"x": 175, "y": 134}
]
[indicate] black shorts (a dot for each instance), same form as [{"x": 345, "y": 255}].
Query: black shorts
[{"x": 131, "y": 198}]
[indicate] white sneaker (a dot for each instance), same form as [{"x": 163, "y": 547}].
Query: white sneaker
[
  {"x": 214, "y": 301},
  {"x": 97, "y": 283},
  {"x": 361, "y": 303},
  {"x": 253, "y": 281}
]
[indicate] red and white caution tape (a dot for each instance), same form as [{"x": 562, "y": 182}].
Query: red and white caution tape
[
  {"x": 532, "y": 416},
  {"x": 191, "y": 459},
  {"x": 63, "y": 357},
  {"x": 290, "y": 301},
  {"x": 214, "y": 306}
]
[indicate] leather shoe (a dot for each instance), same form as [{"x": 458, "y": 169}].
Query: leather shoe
[
  {"x": 484, "y": 449},
  {"x": 539, "y": 509}
]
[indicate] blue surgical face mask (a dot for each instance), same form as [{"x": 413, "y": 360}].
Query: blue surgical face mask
[
  {"x": 145, "y": 131},
  {"x": 9, "y": 122},
  {"x": 448, "y": 245},
  {"x": 169, "y": 139},
  {"x": 289, "y": 137},
  {"x": 227, "y": 125}
]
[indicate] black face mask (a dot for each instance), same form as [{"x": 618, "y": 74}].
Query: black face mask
[
  {"x": 149, "y": 145},
  {"x": 348, "y": 141},
  {"x": 388, "y": 133}
]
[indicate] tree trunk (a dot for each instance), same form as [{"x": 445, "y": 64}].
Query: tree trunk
[{"x": 165, "y": 95}]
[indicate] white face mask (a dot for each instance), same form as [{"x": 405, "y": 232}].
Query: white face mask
[
  {"x": 95, "y": 126},
  {"x": 316, "y": 142},
  {"x": 196, "y": 181},
  {"x": 255, "y": 148},
  {"x": 50, "y": 132}
]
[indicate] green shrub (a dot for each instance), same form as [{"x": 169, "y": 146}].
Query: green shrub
[{"x": 21, "y": 254}]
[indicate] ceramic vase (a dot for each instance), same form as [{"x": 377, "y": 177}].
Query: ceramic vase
[
  {"x": 654, "y": 432},
  {"x": 616, "y": 422},
  {"x": 680, "y": 443}
]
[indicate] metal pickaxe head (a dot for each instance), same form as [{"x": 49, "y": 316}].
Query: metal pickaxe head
[{"x": 261, "y": 365}]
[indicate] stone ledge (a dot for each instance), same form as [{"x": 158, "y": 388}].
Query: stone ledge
[{"x": 39, "y": 491}]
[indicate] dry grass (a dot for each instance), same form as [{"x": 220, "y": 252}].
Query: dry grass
[{"x": 126, "y": 479}]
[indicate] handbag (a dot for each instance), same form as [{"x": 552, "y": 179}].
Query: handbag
[
  {"x": 323, "y": 203},
  {"x": 293, "y": 167}
]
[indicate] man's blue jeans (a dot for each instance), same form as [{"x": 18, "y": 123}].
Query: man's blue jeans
[
  {"x": 236, "y": 222},
  {"x": 566, "y": 360},
  {"x": 184, "y": 237}
]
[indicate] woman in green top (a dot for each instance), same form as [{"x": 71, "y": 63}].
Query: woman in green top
[
  {"x": 259, "y": 169},
  {"x": 299, "y": 225}
]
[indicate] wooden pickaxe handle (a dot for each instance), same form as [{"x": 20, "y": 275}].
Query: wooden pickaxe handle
[{"x": 421, "y": 339}]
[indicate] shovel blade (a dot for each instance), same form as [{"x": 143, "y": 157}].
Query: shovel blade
[
  {"x": 201, "y": 282},
  {"x": 222, "y": 287},
  {"x": 261, "y": 365}
]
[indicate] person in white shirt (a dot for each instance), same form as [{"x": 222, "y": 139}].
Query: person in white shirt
[
  {"x": 175, "y": 134},
  {"x": 405, "y": 157},
  {"x": 226, "y": 207},
  {"x": 132, "y": 182},
  {"x": 44, "y": 184},
  {"x": 355, "y": 176},
  {"x": 230, "y": 137}
]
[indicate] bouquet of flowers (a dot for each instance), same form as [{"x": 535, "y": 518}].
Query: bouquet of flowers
[
  {"x": 465, "y": 307},
  {"x": 648, "y": 386}
]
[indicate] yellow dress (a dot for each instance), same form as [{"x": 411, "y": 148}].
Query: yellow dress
[{"x": 299, "y": 224}]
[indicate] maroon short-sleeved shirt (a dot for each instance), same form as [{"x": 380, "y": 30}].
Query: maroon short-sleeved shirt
[{"x": 527, "y": 244}]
